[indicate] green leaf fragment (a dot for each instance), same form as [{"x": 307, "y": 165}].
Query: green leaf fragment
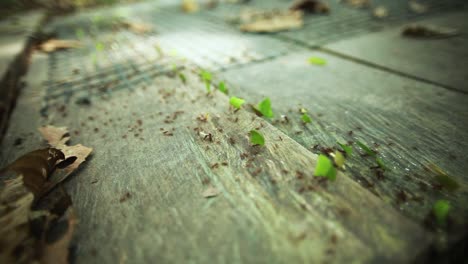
[
  {"x": 381, "y": 163},
  {"x": 206, "y": 78},
  {"x": 306, "y": 118},
  {"x": 317, "y": 61},
  {"x": 99, "y": 46},
  {"x": 441, "y": 209},
  {"x": 339, "y": 159},
  {"x": 366, "y": 149},
  {"x": 325, "y": 168},
  {"x": 347, "y": 149},
  {"x": 264, "y": 107},
  {"x": 79, "y": 33},
  {"x": 236, "y": 102},
  {"x": 256, "y": 138},
  {"x": 182, "y": 78},
  {"x": 222, "y": 87},
  {"x": 444, "y": 179}
]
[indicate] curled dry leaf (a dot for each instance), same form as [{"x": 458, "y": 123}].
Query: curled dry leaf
[
  {"x": 210, "y": 192},
  {"x": 310, "y": 6},
  {"x": 58, "y": 137},
  {"x": 428, "y": 31},
  {"x": 274, "y": 22},
  {"x": 52, "y": 45}
]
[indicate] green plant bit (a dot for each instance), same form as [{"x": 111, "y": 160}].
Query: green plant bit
[
  {"x": 441, "y": 209},
  {"x": 339, "y": 159},
  {"x": 236, "y": 102},
  {"x": 302, "y": 110},
  {"x": 444, "y": 179},
  {"x": 99, "y": 46},
  {"x": 222, "y": 87},
  {"x": 256, "y": 138},
  {"x": 366, "y": 149},
  {"x": 182, "y": 78},
  {"x": 381, "y": 163},
  {"x": 159, "y": 50},
  {"x": 206, "y": 78},
  {"x": 264, "y": 107},
  {"x": 79, "y": 33},
  {"x": 325, "y": 168},
  {"x": 306, "y": 118},
  {"x": 317, "y": 61},
  {"x": 347, "y": 149}
]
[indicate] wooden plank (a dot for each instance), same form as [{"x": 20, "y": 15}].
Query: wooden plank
[
  {"x": 409, "y": 123},
  {"x": 438, "y": 60},
  {"x": 260, "y": 216}
]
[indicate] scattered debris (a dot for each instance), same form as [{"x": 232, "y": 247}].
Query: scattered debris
[
  {"x": 428, "y": 31},
  {"x": 52, "y": 45},
  {"x": 380, "y": 12},
  {"x": 417, "y": 7},
  {"x": 125, "y": 197},
  {"x": 210, "y": 192},
  {"x": 274, "y": 22},
  {"x": 310, "y": 6}
]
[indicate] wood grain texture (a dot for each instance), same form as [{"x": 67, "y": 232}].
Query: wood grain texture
[
  {"x": 139, "y": 198},
  {"x": 437, "y": 60},
  {"x": 409, "y": 123}
]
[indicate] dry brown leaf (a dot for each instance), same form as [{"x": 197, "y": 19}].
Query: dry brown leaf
[
  {"x": 417, "y": 7},
  {"x": 57, "y": 251},
  {"x": 210, "y": 192},
  {"x": 52, "y": 45},
  {"x": 139, "y": 28},
  {"x": 310, "y": 6},
  {"x": 190, "y": 6},
  {"x": 380, "y": 12},
  {"x": 57, "y": 137},
  {"x": 279, "y": 21},
  {"x": 428, "y": 31}
]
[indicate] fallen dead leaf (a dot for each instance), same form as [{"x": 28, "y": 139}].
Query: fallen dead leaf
[
  {"x": 428, "y": 31},
  {"x": 417, "y": 7},
  {"x": 310, "y": 6},
  {"x": 52, "y": 45},
  {"x": 137, "y": 27},
  {"x": 58, "y": 137},
  {"x": 278, "y": 21},
  {"x": 190, "y": 6},
  {"x": 210, "y": 192},
  {"x": 380, "y": 12}
]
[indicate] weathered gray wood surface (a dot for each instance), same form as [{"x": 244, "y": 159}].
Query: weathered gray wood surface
[
  {"x": 438, "y": 60},
  {"x": 414, "y": 124},
  {"x": 259, "y": 215}
]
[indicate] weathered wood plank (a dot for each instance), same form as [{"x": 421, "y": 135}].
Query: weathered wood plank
[
  {"x": 437, "y": 60},
  {"x": 411, "y": 124},
  {"x": 259, "y": 215}
]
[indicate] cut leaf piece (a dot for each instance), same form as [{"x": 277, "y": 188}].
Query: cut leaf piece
[
  {"x": 206, "y": 78},
  {"x": 347, "y": 149},
  {"x": 264, "y": 107},
  {"x": 317, "y": 61},
  {"x": 182, "y": 78},
  {"x": 256, "y": 138},
  {"x": 325, "y": 168},
  {"x": 339, "y": 159},
  {"x": 444, "y": 179},
  {"x": 306, "y": 118},
  {"x": 441, "y": 209},
  {"x": 366, "y": 149},
  {"x": 236, "y": 102},
  {"x": 222, "y": 87},
  {"x": 381, "y": 163}
]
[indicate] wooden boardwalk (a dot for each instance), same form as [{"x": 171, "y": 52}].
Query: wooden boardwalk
[{"x": 404, "y": 98}]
